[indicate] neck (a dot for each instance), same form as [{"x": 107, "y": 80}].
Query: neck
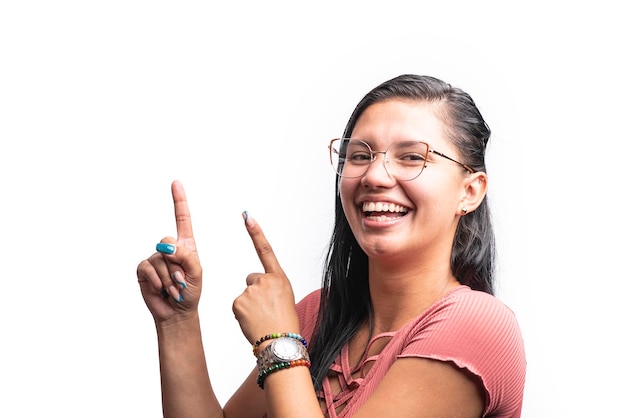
[{"x": 398, "y": 295}]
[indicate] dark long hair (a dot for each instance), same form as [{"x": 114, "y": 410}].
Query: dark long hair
[{"x": 345, "y": 298}]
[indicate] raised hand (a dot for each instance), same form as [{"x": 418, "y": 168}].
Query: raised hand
[
  {"x": 267, "y": 304},
  {"x": 171, "y": 278}
]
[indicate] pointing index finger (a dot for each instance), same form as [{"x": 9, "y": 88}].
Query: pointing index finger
[
  {"x": 262, "y": 246},
  {"x": 181, "y": 212}
]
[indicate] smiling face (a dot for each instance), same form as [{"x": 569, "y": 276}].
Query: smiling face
[{"x": 394, "y": 218}]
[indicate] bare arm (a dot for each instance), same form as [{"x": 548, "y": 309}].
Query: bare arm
[
  {"x": 267, "y": 306},
  {"x": 171, "y": 283},
  {"x": 185, "y": 386},
  {"x": 424, "y": 388}
]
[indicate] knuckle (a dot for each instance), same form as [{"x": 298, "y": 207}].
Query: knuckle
[
  {"x": 250, "y": 279},
  {"x": 141, "y": 267},
  {"x": 237, "y": 307},
  {"x": 183, "y": 217},
  {"x": 264, "y": 249}
]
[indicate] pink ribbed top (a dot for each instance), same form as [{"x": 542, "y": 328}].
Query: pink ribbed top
[{"x": 473, "y": 329}]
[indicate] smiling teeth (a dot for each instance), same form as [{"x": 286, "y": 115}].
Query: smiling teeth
[{"x": 383, "y": 207}]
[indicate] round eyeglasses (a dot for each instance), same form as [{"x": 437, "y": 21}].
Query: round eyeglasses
[{"x": 402, "y": 160}]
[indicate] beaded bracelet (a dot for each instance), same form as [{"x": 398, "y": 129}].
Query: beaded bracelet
[
  {"x": 279, "y": 366},
  {"x": 255, "y": 347}
]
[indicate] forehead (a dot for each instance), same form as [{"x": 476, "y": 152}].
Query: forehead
[{"x": 394, "y": 120}]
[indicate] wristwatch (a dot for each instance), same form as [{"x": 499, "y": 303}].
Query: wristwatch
[{"x": 281, "y": 350}]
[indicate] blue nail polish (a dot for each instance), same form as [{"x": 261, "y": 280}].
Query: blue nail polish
[
  {"x": 164, "y": 293},
  {"x": 166, "y": 248},
  {"x": 180, "y": 298},
  {"x": 181, "y": 281},
  {"x": 245, "y": 213}
]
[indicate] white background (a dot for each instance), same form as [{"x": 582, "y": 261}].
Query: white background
[{"x": 103, "y": 104}]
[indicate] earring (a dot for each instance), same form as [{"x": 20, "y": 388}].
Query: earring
[{"x": 464, "y": 210}]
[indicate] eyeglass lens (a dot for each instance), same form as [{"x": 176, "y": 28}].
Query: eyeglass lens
[{"x": 403, "y": 160}]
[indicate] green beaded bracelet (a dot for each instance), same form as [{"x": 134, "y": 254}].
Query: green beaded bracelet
[
  {"x": 255, "y": 347},
  {"x": 279, "y": 366}
]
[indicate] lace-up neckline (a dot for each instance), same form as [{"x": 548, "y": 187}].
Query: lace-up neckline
[{"x": 344, "y": 381}]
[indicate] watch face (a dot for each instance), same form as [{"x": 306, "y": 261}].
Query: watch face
[{"x": 286, "y": 349}]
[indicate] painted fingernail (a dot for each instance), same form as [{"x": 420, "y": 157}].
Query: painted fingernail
[
  {"x": 164, "y": 293},
  {"x": 178, "y": 278},
  {"x": 166, "y": 248},
  {"x": 249, "y": 220},
  {"x": 175, "y": 294}
]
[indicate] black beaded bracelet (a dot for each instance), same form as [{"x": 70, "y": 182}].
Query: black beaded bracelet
[{"x": 279, "y": 366}]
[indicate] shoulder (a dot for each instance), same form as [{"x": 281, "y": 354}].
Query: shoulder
[
  {"x": 471, "y": 310},
  {"x": 469, "y": 322},
  {"x": 311, "y": 302},
  {"x": 307, "y": 309},
  {"x": 477, "y": 332}
]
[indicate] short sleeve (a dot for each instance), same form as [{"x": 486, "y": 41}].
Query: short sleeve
[{"x": 479, "y": 333}]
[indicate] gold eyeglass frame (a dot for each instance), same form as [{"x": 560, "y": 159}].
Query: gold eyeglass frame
[{"x": 373, "y": 157}]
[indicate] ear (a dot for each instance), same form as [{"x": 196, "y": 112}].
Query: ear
[{"x": 475, "y": 189}]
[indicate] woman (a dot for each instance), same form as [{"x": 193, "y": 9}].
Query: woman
[{"x": 405, "y": 324}]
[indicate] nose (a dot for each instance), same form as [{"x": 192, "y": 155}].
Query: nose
[{"x": 377, "y": 173}]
